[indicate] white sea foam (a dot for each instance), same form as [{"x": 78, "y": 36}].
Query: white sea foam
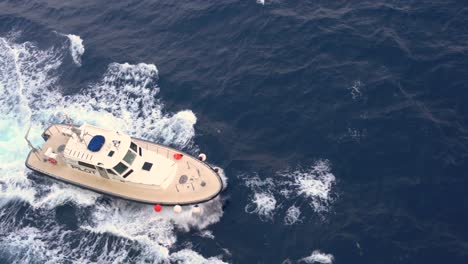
[
  {"x": 224, "y": 178},
  {"x": 207, "y": 234},
  {"x": 356, "y": 134},
  {"x": 318, "y": 257},
  {"x": 125, "y": 99},
  {"x": 27, "y": 246},
  {"x": 127, "y": 93},
  {"x": 135, "y": 222},
  {"x": 188, "y": 256},
  {"x": 23, "y": 78},
  {"x": 256, "y": 183},
  {"x": 293, "y": 215},
  {"x": 31, "y": 245},
  {"x": 155, "y": 232},
  {"x": 76, "y": 48},
  {"x": 355, "y": 89},
  {"x": 314, "y": 183},
  {"x": 262, "y": 2},
  {"x": 27, "y": 79},
  {"x": 59, "y": 194},
  {"x": 262, "y": 202}
]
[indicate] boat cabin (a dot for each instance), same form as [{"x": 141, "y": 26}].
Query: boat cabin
[{"x": 112, "y": 154}]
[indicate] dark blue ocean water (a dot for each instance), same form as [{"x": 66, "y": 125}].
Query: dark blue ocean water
[{"x": 342, "y": 127}]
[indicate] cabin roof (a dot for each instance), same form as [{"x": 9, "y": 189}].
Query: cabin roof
[{"x": 97, "y": 146}]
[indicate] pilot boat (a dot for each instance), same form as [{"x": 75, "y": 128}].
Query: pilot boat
[{"x": 113, "y": 163}]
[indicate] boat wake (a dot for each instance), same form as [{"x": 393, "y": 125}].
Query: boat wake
[
  {"x": 76, "y": 48},
  {"x": 110, "y": 230}
]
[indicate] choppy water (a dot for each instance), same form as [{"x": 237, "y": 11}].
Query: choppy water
[{"x": 341, "y": 127}]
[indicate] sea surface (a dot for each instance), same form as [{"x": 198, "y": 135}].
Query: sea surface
[{"x": 341, "y": 127}]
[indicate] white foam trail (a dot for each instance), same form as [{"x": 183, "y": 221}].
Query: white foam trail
[
  {"x": 28, "y": 80},
  {"x": 178, "y": 128},
  {"x": 26, "y": 246},
  {"x": 155, "y": 232},
  {"x": 60, "y": 194},
  {"x": 142, "y": 215},
  {"x": 132, "y": 221},
  {"x": 293, "y": 215},
  {"x": 23, "y": 79},
  {"x": 76, "y": 48},
  {"x": 31, "y": 245},
  {"x": 188, "y": 256},
  {"x": 262, "y": 2},
  {"x": 127, "y": 93},
  {"x": 318, "y": 257}
]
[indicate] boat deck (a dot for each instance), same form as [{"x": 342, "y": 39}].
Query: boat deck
[{"x": 195, "y": 181}]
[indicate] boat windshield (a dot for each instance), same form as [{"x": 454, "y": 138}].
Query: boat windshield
[
  {"x": 120, "y": 168},
  {"x": 129, "y": 157}
]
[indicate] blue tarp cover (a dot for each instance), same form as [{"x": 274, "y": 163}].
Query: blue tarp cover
[{"x": 96, "y": 143}]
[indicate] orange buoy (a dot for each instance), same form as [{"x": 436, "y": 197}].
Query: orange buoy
[
  {"x": 178, "y": 156},
  {"x": 157, "y": 208},
  {"x": 53, "y": 161}
]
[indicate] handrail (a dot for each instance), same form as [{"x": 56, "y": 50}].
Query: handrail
[{"x": 34, "y": 149}]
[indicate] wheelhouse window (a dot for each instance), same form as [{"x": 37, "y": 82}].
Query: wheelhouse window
[
  {"x": 84, "y": 164},
  {"x": 127, "y": 174},
  {"x": 133, "y": 146},
  {"x": 120, "y": 168},
  {"x": 147, "y": 166},
  {"x": 129, "y": 157}
]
